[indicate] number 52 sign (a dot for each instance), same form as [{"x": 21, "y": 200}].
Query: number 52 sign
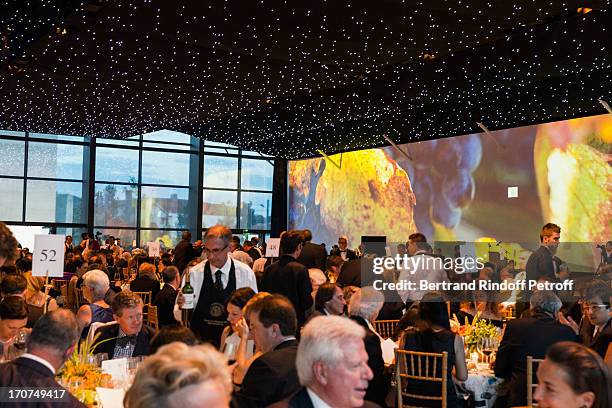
[{"x": 48, "y": 258}]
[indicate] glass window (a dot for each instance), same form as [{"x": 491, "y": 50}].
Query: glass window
[
  {"x": 11, "y": 157},
  {"x": 255, "y": 210},
  {"x": 11, "y": 133},
  {"x": 24, "y": 234},
  {"x": 127, "y": 236},
  {"x": 166, "y": 146},
  {"x": 165, "y": 168},
  {"x": 58, "y": 137},
  {"x": 219, "y": 207},
  {"x": 120, "y": 165},
  {"x": 54, "y": 160},
  {"x": 11, "y": 199},
  {"x": 55, "y": 201},
  {"x": 256, "y": 154},
  {"x": 168, "y": 239},
  {"x": 164, "y": 207},
  {"x": 208, "y": 149},
  {"x": 120, "y": 142},
  {"x": 115, "y": 205},
  {"x": 256, "y": 175},
  {"x": 167, "y": 136},
  {"x": 74, "y": 232},
  {"x": 217, "y": 144},
  {"x": 220, "y": 172}
]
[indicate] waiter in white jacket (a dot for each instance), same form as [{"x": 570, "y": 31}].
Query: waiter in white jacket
[{"x": 213, "y": 282}]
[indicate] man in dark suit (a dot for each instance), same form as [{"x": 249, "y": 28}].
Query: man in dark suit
[
  {"x": 288, "y": 277},
  {"x": 184, "y": 252},
  {"x": 530, "y": 336},
  {"x": 166, "y": 298},
  {"x": 312, "y": 255},
  {"x": 342, "y": 250},
  {"x": 596, "y": 308},
  {"x": 251, "y": 250},
  {"x": 272, "y": 377},
  {"x": 541, "y": 263},
  {"x": 330, "y": 378},
  {"x": 128, "y": 338},
  {"x": 51, "y": 342}
]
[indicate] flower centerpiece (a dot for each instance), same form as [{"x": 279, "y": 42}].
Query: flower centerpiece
[
  {"x": 81, "y": 374},
  {"x": 475, "y": 332}
]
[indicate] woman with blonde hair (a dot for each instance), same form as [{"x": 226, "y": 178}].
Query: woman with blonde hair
[
  {"x": 181, "y": 376},
  {"x": 37, "y": 300}
]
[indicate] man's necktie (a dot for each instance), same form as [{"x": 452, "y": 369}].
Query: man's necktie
[{"x": 218, "y": 282}]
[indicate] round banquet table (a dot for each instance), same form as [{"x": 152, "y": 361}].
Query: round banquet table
[{"x": 483, "y": 385}]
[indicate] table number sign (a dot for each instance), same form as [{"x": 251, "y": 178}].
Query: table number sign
[
  {"x": 48, "y": 258},
  {"x": 273, "y": 248}
]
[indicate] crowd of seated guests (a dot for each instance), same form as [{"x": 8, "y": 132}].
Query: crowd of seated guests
[{"x": 306, "y": 338}]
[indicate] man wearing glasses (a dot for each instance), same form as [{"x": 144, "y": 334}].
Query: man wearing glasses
[
  {"x": 596, "y": 308},
  {"x": 342, "y": 249},
  {"x": 213, "y": 281}
]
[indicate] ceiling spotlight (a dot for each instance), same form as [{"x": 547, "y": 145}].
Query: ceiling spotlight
[{"x": 584, "y": 10}]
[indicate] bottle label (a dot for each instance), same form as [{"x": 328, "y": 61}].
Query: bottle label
[{"x": 188, "y": 301}]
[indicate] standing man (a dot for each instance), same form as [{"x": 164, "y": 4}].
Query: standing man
[
  {"x": 166, "y": 298},
  {"x": 68, "y": 246},
  {"x": 290, "y": 278},
  {"x": 183, "y": 252},
  {"x": 213, "y": 281},
  {"x": 342, "y": 250},
  {"x": 312, "y": 255},
  {"x": 541, "y": 263}
]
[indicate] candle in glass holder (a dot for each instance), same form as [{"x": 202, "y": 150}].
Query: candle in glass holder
[{"x": 474, "y": 357}]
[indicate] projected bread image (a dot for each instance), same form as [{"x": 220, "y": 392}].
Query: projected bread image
[{"x": 369, "y": 195}]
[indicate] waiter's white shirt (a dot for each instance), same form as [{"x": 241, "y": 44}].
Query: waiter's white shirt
[{"x": 245, "y": 277}]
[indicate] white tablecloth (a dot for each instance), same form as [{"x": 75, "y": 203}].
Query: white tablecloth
[{"x": 483, "y": 384}]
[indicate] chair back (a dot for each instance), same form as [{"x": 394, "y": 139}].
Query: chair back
[
  {"x": 152, "y": 317},
  {"x": 145, "y": 296},
  {"x": 420, "y": 366},
  {"x": 386, "y": 328},
  {"x": 530, "y": 385},
  {"x": 146, "y": 304},
  {"x": 80, "y": 299},
  {"x": 95, "y": 326}
]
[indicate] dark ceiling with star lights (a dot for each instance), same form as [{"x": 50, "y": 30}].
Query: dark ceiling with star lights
[{"x": 289, "y": 78}]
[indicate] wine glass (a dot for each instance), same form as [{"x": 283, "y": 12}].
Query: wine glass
[{"x": 487, "y": 348}]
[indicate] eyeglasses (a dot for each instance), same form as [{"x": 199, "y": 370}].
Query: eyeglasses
[
  {"x": 594, "y": 308},
  {"x": 214, "y": 251}
]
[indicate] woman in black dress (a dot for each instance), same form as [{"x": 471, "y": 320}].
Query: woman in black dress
[{"x": 432, "y": 334}]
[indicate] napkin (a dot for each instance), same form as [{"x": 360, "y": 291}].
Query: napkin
[
  {"x": 111, "y": 397},
  {"x": 388, "y": 351}
]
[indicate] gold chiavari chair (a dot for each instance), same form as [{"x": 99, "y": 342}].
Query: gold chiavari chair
[
  {"x": 419, "y": 366},
  {"x": 530, "y": 371},
  {"x": 80, "y": 298},
  {"x": 152, "y": 317},
  {"x": 386, "y": 328},
  {"x": 146, "y": 301}
]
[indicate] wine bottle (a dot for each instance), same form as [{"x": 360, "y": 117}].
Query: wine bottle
[{"x": 187, "y": 293}]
